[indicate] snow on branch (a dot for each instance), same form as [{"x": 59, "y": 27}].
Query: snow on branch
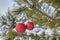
[{"x": 34, "y": 6}]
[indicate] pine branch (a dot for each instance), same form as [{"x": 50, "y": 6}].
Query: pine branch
[
  {"x": 9, "y": 19},
  {"x": 33, "y": 6},
  {"x": 55, "y": 20},
  {"x": 13, "y": 19}
]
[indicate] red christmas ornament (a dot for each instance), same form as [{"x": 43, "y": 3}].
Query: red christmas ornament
[
  {"x": 20, "y": 28},
  {"x": 30, "y": 26}
]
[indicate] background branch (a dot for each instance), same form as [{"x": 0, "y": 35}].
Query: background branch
[{"x": 33, "y": 6}]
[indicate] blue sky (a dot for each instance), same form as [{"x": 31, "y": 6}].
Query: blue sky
[{"x": 4, "y": 4}]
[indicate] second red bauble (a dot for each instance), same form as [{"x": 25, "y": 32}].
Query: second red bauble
[
  {"x": 30, "y": 25},
  {"x": 20, "y": 28}
]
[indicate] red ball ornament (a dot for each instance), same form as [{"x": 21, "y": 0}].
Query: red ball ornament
[
  {"x": 30, "y": 25},
  {"x": 20, "y": 28}
]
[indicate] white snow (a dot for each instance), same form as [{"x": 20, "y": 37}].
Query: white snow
[
  {"x": 40, "y": 32},
  {"x": 28, "y": 32},
  {"x": 21, "y": 16},
  {"x": 3, "y": 30},
  {"x": 28, "y": 20},
  {"x": 44, "y": 7},
  {"x": 49, "y": 32},
  {"x": 14, "y": 30},
  {"x": 51, "y": 11}
]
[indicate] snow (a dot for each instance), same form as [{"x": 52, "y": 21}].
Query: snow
[
  {"x": 44, "y": 7},
  {"x": 28, "y": 20},
  {"x": 40, "y": 32},
  {"x": 49, "y": 32},
  {"x": 21, "y": 16},
  {"x": 28, "y": 32},
  {"x": 14, "y": 30},
  {"x": 49, "y": 10},
  {"x": 36, "y": 26},
  {"x": 3, "y": 30}
]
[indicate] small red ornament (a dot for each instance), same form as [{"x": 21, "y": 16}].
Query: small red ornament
[
  {"x": 20, "y": 28},
  {"x": 30, "y": 26}
]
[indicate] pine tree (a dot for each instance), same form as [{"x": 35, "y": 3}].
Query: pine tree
[{"x": 39, "y": 11}]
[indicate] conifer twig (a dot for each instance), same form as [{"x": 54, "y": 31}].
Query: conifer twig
[{"x": 33, "y": 6}]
